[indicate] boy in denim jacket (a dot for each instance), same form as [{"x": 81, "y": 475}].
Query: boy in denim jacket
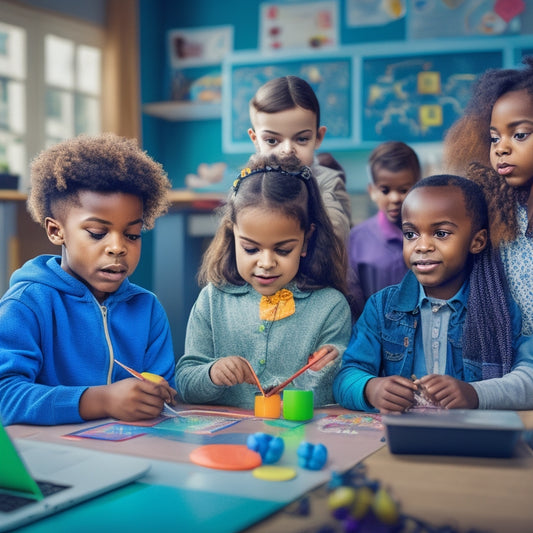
[{"x": 423, "y": 326}]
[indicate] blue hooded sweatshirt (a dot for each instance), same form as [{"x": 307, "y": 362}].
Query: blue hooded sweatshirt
[{"x": 56, "y": 340}]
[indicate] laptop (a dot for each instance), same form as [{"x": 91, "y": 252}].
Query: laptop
[{"x": 39, "y": 478}]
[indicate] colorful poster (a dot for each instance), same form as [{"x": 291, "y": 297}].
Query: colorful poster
[
  {"x": 361, "y": 13},
  {"x": 417, "y": 98},
  {"x": 432, "y": 19},
  {"x": 316, "y": 23}
]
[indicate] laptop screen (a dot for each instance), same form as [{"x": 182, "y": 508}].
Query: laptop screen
[{"x": 14, "y": 475}]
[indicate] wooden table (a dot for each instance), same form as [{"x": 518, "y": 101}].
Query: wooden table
[{"x": 466, "y": 493}]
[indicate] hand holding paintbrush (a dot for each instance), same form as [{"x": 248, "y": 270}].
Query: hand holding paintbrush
[{"x": 316, "y": 361}]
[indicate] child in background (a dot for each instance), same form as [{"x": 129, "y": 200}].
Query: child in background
[
  {"x": 65, "y": 319},
  {"x": 493, "y": 144},
  {"x": 285, "y": 117},
  {"x": 450, "y": 321},
  {"x": 275, "y": 275},
  {"x": 375, "y": 246}
]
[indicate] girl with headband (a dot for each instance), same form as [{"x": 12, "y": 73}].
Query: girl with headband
[{"x": 274, "y": 292}]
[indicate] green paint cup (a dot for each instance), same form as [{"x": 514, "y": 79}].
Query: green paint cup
[{"x": 297, "y": 404}]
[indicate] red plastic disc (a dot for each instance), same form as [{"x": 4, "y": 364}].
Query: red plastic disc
[{"x": 226, "y": 457}]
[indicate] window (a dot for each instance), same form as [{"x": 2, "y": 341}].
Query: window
[
  {"x": 12, "y": 97},
  {"x": 50, "y": 83}
]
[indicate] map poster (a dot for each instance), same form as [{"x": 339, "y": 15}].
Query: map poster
[{"x": 416, "y": 98}]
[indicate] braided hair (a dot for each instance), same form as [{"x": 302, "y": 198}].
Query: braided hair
[{"x": 487, "y": 335}]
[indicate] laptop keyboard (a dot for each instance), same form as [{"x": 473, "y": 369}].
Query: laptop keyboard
[{"x": 10, "y": 502}]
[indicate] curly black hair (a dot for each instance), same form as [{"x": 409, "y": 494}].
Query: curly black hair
[
  {"x": 467, "y": 146},
  {"x": 101, "y": 163}
]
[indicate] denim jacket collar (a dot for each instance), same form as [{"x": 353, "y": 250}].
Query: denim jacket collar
[{"x": 407, "y": 298}]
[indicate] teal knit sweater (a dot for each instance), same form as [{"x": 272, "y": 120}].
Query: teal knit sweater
[{"x": 225, "y": 321}]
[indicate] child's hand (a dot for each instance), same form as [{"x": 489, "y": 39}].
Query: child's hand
[
  {"x": 448, "y": 392},
  {"x": 390, "y": 394},
  {"x": 326, "y": 353},
  {"x": 129, "y": 399},
  {"x": 231, "y": 371}
]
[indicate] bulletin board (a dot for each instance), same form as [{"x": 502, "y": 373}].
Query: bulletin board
[
  {"x": 330, "y": 76},
  {"x": 418, "y": 97},
  {"x": 372, "y": 94}
]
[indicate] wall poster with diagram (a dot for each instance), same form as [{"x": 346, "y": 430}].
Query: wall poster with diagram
[
  {"x": 417, "y": 97},
  {"x": 370, "y": 96}
]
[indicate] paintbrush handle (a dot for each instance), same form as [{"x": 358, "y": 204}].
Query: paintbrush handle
[
  {"x": 256, "y": 379},
  {"x": 280, "y": 387}
]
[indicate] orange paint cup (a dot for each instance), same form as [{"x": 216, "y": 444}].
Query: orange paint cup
[{"x": 267, "y": 407}]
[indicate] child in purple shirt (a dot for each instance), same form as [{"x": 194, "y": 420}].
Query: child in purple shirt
[{"x": 375, "y": 245}]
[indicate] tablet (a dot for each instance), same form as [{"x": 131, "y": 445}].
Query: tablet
[{"x": 469, "y": 432}]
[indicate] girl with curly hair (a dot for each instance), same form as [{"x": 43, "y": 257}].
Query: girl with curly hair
[{"x": 493, "y": 144}]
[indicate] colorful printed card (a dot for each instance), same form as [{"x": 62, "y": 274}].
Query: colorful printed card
[
  {"x": 195, "y": 423},
  {"x": 111, "y": 431},
  {"x": 350, "y": 423}
]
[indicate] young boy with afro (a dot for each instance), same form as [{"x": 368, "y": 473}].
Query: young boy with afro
[{"x": 67, "y": 320}]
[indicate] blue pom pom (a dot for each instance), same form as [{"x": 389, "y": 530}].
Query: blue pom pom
[
  {"x": 268, "y": 447},
  {"x": 312, "y": 456}
]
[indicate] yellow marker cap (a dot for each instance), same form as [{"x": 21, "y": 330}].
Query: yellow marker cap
[{"x": 152, "y": 377}]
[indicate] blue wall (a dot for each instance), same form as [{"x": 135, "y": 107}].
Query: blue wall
[{"x": 182, "y": 146}]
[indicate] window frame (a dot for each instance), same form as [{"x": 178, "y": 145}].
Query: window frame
[{"x": 37, "y": 24}]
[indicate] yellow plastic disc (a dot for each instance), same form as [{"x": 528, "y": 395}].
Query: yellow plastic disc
[{"x": 274, "y": 473}]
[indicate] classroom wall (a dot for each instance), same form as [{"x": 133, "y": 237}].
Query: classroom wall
[{"x": 182, "y": 146}]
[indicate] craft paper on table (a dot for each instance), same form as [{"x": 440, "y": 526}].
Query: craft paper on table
[
  {"x": 195, "y": 423},
  {"x": 234, "y": 413},
  {"x": 350, "y": 423},
  {"x": 111, "y": 431},
  {"x": 145, "y": 423}
]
